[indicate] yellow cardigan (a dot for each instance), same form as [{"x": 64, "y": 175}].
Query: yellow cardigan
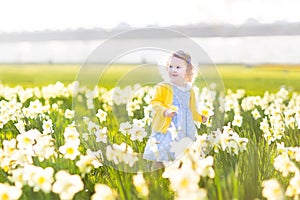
[{"x": 162, "y": 100}]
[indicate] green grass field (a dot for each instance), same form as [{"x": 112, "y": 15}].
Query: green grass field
[
  {"x": 255, "y": 79},
  {"x": 38, "y": 132}
]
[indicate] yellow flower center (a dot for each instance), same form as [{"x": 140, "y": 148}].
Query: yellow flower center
[
  {"x": 184, "y": 182},
  {"x": 26, "y": 140},
  {"x": 10, "y": 149},
  {"x": 41, "y": 180},
  {"x": 6, "y": 168},
  {"x": 4, "y": 196},
  {"x": 70, "y": 150},
  {"x": 205, "y": 112}
]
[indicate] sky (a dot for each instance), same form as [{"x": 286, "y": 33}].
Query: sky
[{"x": 38, "y": 15}]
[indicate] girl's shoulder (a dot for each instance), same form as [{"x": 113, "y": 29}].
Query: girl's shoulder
[
  {"x": 164, "y": 87},
  {"x": 164, "y": 84}
]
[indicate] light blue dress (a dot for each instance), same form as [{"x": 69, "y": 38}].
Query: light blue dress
[{"x": 158, "y": 147}]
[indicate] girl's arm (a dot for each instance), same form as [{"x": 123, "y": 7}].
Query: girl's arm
[{"x": 160, "y": 101}]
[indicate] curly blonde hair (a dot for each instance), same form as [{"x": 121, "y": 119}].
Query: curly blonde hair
[{"x": 187, "y": 58}]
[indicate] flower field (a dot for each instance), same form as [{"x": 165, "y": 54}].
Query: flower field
[{"x": 66, "y": 141}]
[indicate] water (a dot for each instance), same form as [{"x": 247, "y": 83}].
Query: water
[{"x": 236, "y": 50}]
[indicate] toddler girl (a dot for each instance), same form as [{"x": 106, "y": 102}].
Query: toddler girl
[{"x": 174, "y": 110}]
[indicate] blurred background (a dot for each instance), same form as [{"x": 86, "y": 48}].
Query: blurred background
[
  {"x": 230, "y": 31},
  {"x": 247, "y": 33}
]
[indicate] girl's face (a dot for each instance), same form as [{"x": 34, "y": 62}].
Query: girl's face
[{"x": 177, "y": 70}]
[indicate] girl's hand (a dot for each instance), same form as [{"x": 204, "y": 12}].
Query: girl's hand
[
  {"x": 204, "y": 119},
  {"x": 169, "y": 113}
]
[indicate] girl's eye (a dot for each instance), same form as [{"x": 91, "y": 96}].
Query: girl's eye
[
  {"x": 178, "y": 67},
  {"x": 170, "y": 66}
]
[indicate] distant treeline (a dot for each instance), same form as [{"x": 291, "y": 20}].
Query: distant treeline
[{"x": 251, "y": 28}]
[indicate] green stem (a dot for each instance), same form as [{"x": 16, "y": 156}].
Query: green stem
[
  {"x": 218, "y": 186},
  {"x": 120, "y": 183}
]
